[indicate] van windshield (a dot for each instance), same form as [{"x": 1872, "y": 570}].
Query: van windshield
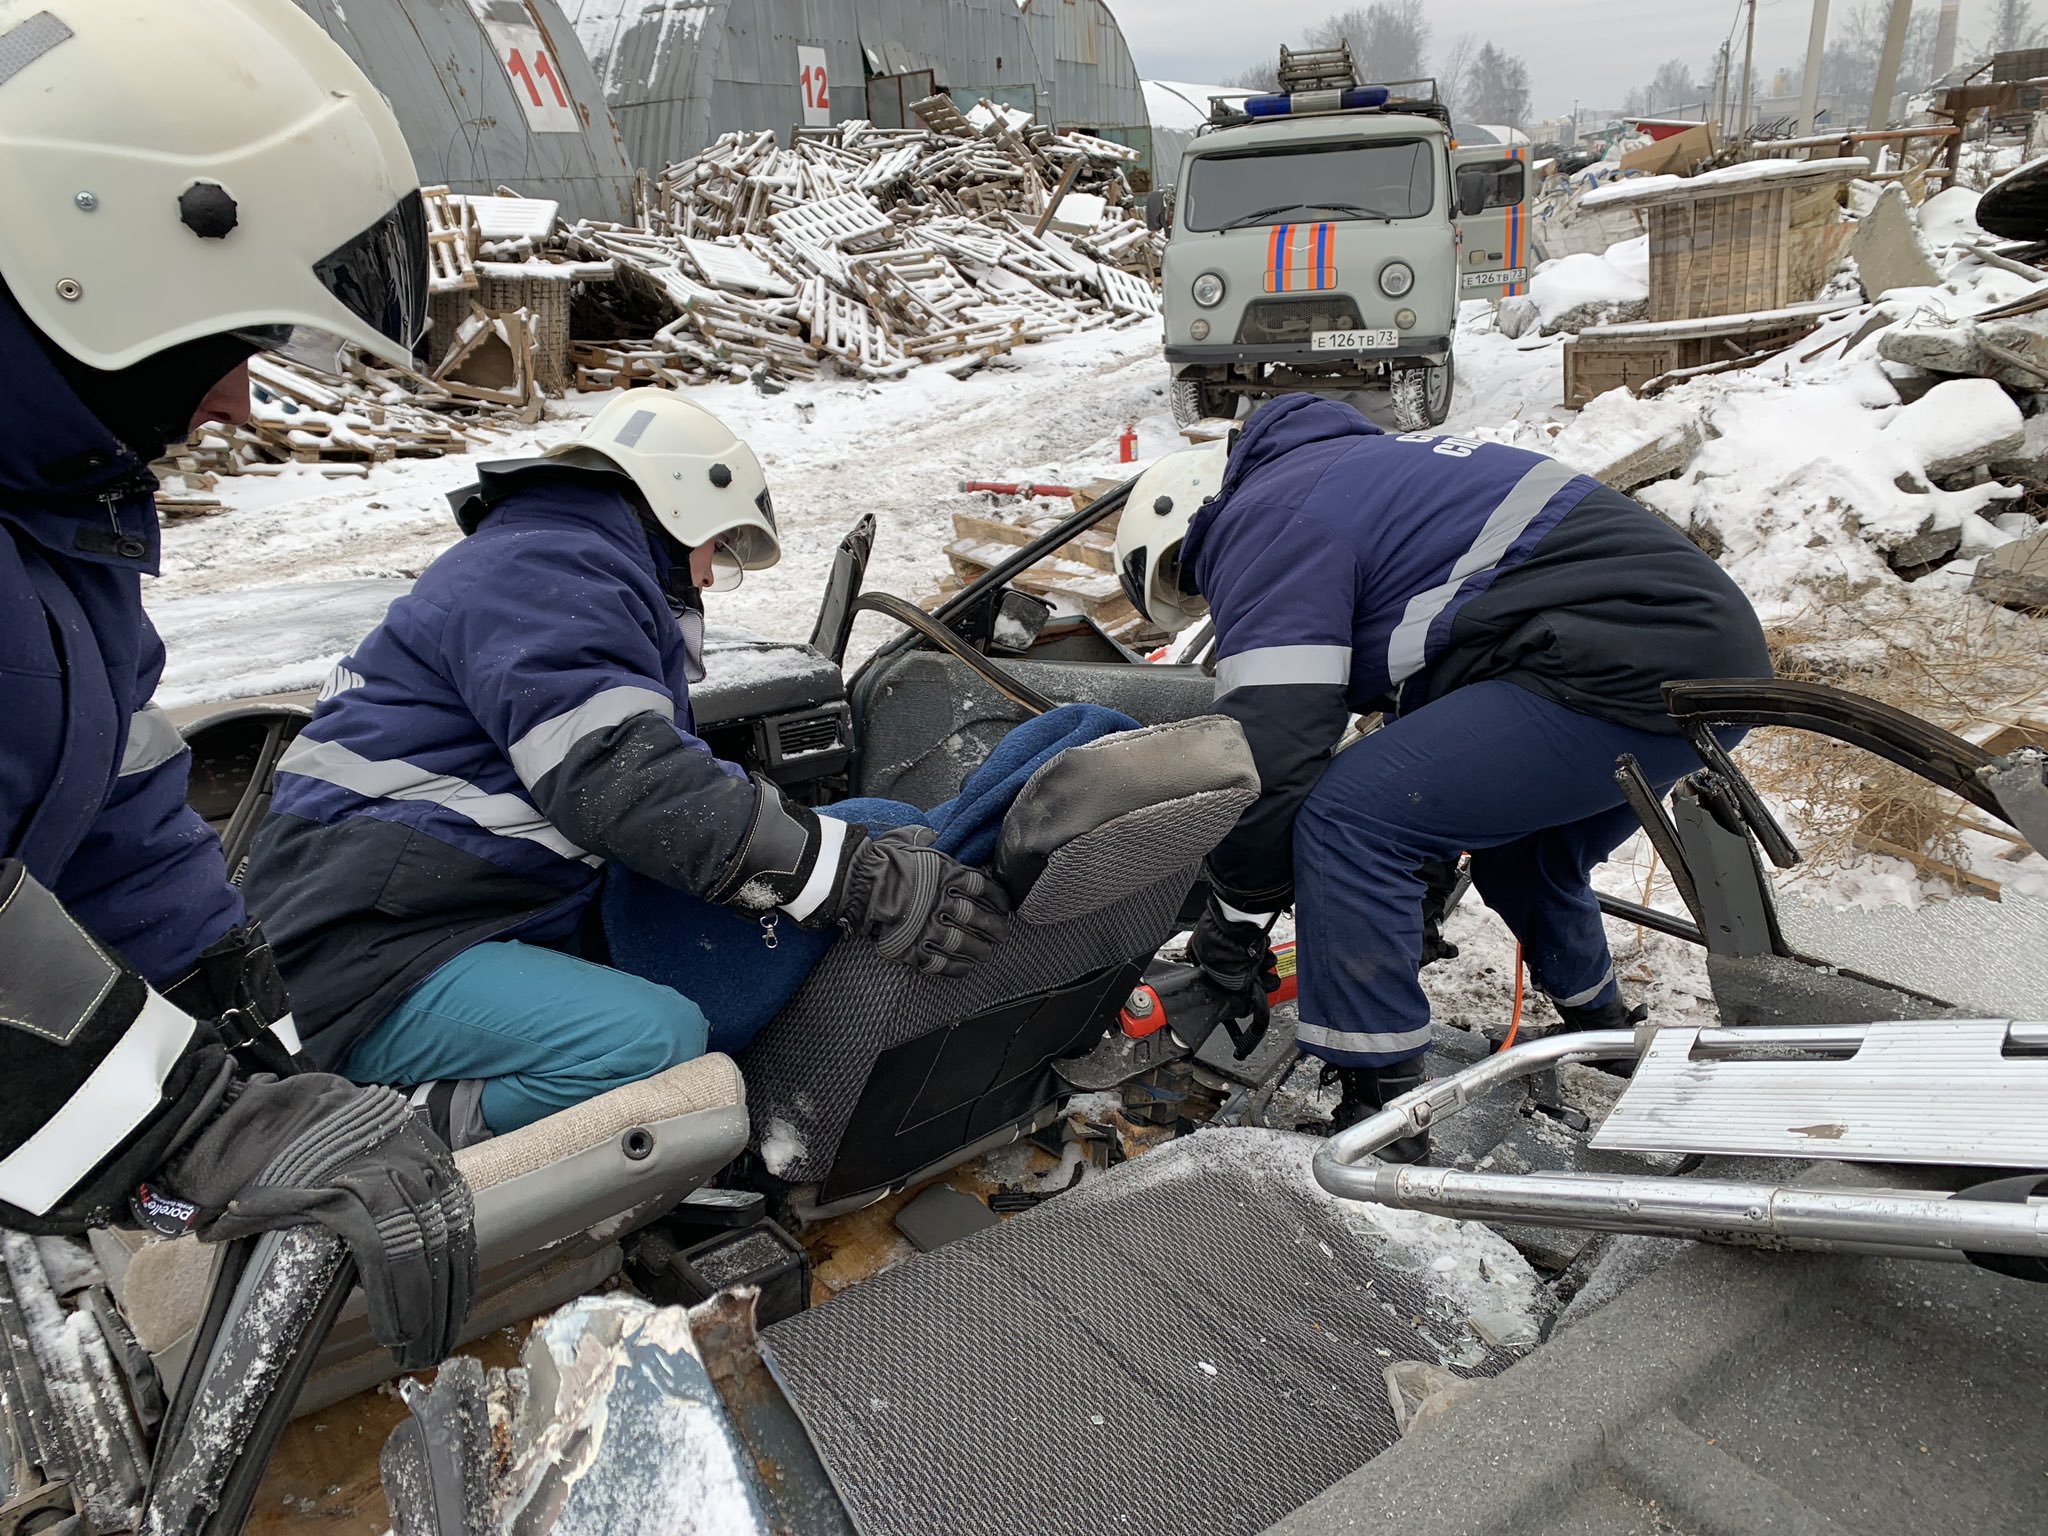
[{"x": 1384, "y": 179}]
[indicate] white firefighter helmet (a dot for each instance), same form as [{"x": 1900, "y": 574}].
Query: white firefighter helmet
[
  {"x": 703, "y": 485},
  {"x": 1155, "y": 519},
  {"x": 178, "y": 169}
]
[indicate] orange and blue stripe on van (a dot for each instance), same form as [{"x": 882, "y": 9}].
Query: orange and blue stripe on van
[
  {"x": 1301, "y": 258},
  {"x": 1518, "y": 226}
]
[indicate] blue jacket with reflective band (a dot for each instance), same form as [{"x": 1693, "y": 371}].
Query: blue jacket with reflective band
[
  {"x": 1350, "y": 571},
  {"x": 92, "y": 779},
  {"x": 519, "y": 718}
]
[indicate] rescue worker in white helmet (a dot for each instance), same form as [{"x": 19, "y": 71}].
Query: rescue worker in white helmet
[
  {"x": 182, "y": 184},
  {"x": 520, "y": 720},
  {"x": 1513, "y": 620}
]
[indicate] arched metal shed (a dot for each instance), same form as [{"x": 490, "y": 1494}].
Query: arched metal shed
[
  {"x": 490, "y": 93},
  {"x": 678, "y": 73},
  {"x": 1094, "y": 84}
]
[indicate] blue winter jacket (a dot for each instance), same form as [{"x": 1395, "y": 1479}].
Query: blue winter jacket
[
  {"x": 518, "y": 719},
  {"x": 92, "y": 777},
  {"x": 1350, "y": 571}
]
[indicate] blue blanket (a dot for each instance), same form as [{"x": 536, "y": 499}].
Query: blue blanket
[{"x": 741, "y": 970}]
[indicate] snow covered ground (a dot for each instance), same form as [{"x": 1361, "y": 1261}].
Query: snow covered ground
[{"x": 1805, "y": 459}]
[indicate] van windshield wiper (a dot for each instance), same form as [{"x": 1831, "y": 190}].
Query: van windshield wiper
[{"x": 1266, "y": 213}]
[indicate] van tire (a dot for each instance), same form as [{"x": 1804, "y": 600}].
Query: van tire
[
  {"x": 1422, "y": 395},
  {"x": 1194, "y": 401}
]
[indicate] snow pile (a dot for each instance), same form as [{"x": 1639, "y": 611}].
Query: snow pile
[{"x": 1573, "y": 292}]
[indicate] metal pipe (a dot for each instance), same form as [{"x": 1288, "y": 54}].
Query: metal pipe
[
  {"x": 1816, "y": 51},
  {"x": 1762, "y": 1215},
  {"x": 1649, "y": 917},
  {"x": 1920, "y": 1223}
]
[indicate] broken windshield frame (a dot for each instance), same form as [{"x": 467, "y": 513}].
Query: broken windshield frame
[{"x": 1391, "y": 178}]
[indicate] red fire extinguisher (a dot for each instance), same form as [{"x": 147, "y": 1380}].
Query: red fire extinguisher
[{"x": 1127, "y": 445}]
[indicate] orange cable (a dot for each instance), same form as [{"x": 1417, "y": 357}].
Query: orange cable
[{"x": 1515, "y": 1023}]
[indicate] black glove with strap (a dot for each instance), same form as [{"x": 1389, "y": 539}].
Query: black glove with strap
[
  {"x": 916, "y": 905},
  {"x": 236, "y": 985},
  {"x": 315, "y": 1148},
  {"x": 1235, "y": 957}
]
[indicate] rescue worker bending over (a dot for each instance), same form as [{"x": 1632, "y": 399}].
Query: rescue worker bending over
[
  {"x": 182, "y": 184},
  {"x": 518, "y": 720},
  {"x": 1514, "y": 620}
]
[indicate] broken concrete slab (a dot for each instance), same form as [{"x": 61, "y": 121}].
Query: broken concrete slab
[
  {"x": 2030, "y": 464},
  {"x": 1922, "y": 553},
  {"x": 1517, "y": 316},
  {"x": 1886, "y": 248},
  {"x": 2015, "y": 575},
  {"x": 1938, "y": 348},
  {"x": 1626, "y": 443},
  {"x": 1958, "y": 426}
]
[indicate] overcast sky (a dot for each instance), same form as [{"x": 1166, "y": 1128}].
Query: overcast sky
[{"x": 1589, "y": 50}]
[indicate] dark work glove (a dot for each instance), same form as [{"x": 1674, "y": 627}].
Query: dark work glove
[
  {"x": 1237, "y": 960},
  {"x": 235, "y": 986},
  {"x": 917, "y": 905},
  {"x": 317, "y": 1148}
]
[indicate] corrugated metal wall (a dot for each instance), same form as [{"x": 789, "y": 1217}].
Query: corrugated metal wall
[
  {"x": 680, "y": 72},
  {"x": 1094, "y": 83},
  {"x": 446, "y": 67}
]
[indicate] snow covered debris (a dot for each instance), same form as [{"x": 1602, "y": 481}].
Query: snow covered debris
[
  {"x": 1573, "y": 292},
  {"x": 781, "y": 1147},
  {"x": 1959, "y": 425}
]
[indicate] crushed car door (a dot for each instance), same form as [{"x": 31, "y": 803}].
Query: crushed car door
[{"x": 1493, "y": 254}]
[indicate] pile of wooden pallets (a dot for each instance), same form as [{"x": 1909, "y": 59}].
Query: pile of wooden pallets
[
  {"x": 872, "y": 250},
  {"x": 1080, "y": 576},
  {"x": 343, "y": 425}
]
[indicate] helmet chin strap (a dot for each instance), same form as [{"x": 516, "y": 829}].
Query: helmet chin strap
[{"x": 149, "y": 405}]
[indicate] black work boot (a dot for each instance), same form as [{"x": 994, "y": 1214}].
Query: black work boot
[
  {"x": 1367, "y": 1091},
  {"x": 1614, "y": 1015}
]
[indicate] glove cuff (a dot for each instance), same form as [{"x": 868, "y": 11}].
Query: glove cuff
[{"x": 776, "y": 857}]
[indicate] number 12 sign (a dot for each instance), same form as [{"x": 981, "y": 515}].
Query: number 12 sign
[
  {"x": 817, "y": 86},
  {"x": 536, "y": 79}
]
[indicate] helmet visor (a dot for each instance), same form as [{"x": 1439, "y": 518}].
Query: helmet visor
[{"x": 379, "y": 277}]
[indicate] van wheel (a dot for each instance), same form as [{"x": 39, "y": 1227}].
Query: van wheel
[
  {"x": 1422, "y": 396},
  {"x": 1194, "y": 400}
]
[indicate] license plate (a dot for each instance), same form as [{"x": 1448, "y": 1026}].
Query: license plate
[
  {"x": 1491, "y": 279},
  {"x": 1352, "y": 341}
]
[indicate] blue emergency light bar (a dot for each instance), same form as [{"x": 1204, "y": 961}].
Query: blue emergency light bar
[{"x": 1357, "y": 99}]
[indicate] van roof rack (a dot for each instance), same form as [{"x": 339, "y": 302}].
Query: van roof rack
[{"x": 1317, "y": 69}]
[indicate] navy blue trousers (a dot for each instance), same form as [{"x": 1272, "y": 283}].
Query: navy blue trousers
[{"x": 1526, "y": 786}]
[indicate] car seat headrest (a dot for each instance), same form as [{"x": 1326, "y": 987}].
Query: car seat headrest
[{"x": 1130, "y": 808}]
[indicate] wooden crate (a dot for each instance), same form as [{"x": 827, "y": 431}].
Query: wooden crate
[
  {"x": 1765, "y": 249},
  {"x": 1591, "y": 368},
  {"x": 1759, "y": 236},
  {"x": 1628, "y": 356}
]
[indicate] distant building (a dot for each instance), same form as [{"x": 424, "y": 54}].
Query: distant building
[
  {"x": 678, "y": 73},
  {"x": 489, "y": 93}
]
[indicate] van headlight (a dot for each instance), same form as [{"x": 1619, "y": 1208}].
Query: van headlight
[
  {"x": 1396, "y": 278},
  {"x": 1208, "y": 290}
]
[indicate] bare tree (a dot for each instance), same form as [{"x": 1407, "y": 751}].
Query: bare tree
[
  {"x": 1498, "y": 91},
  {"x": 1454, "y": 66},
  {"x": 1388, "y": 38},
  {"x": 2012, "y": 26},
  {"x": 1255, "y": 77}
]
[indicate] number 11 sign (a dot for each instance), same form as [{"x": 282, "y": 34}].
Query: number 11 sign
[{"x": 536, "y": 78}]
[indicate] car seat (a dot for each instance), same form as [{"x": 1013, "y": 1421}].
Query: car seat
[{"x": 873, "y": 1075}]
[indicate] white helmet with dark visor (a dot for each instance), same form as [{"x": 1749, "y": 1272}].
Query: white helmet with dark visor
[{"x": 179, "y": 169}]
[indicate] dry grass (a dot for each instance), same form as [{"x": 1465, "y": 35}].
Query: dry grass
[{"x": 1954, "y": 661}]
